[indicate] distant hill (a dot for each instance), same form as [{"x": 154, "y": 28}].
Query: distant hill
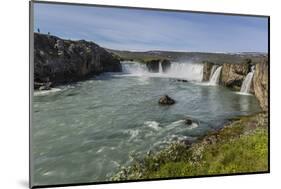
[{"x": 218, "y": 58}]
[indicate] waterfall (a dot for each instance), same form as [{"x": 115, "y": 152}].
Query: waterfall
[
  {"x": 160, "y": 68},
  {"x": 134, "y": 68},
  {"x": 246, "y": 85},
  {"x": 188, "y": 71},
  {"x": 216, "y": 76},
  {"x": 214, "y": 67}
]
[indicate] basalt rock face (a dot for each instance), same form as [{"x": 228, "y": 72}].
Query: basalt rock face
[
  {"x": 207, "y": 70},
  {"x": 62, "y": 61},
  {"x": 166, "y": 64},
  {"x": 233, "y": 75},
  {"x": 154, "y": 65},
  {"x": 260, "y": 82}
]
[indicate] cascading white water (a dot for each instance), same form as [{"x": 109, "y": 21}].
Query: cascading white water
[
  {"x": 214, "y": 67},
  {"x": 160, "y": 68},
  {"x": 134, "y": 68},
  {"x": 246, "y": 85},
  {"x": 188, "y": 71},
  {"x": 216, "y": 76}
]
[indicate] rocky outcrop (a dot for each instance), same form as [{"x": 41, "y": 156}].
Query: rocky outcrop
[
  {"x": 233, "y": 75},
  {"x": 207, "y": 70},
  {"x": 166, "y": 64},
  {"x": 166, "y": 100},
  {"x": 154, "y": 65},
  {"x": 60, "y": 61},
  {"x": 260, "y": 83}
]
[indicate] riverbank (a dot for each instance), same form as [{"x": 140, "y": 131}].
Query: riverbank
[{"x": 241, "y": 146}]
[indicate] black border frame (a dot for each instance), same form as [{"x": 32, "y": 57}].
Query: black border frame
[{"x": 31, "y": 63}]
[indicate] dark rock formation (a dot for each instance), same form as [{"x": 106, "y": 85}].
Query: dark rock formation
[
  {"x": 166, "y": 64},
  {"x": 207, "y": 70},
  {"x": 233, "y": 75},
  {"x": 182, "y": 80},
  {"x": 62, "y": 61},
  {"x": 260, "y": 82},
  {"x": 166, "y": 100},
  {"x": 154, "y": 65},
  {"x": 188, "y": 121}
]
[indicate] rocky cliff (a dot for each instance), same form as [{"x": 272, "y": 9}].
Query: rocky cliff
[
  {"x": 261, "y": 83},
  {"x": 59, "y": 61},
  {"x": 207, "y": 70},
  {"x": 154, "y": 65},
  {"x": 233, "y": 75}
]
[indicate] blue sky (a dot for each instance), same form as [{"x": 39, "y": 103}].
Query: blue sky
[{"x": 142, "y": 30}]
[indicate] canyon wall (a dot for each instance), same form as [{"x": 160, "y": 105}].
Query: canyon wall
[
  {"x": 261, "y": 84},
  {"x": 59, "y": 61},
  {"x": 233, "y": 75}
]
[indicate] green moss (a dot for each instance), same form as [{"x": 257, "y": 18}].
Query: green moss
[{"x": 242, "y": 146}]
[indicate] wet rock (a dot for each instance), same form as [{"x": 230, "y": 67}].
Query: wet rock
[
  {"x": 166, "y": 64},
  {"x": 188, "y": 121},
  {"x": 207, "y": 67},
  {"x": 166, "y": 100},
  {"x": 45, "y": 86},
  {"x": 182, "y": 80},
  {"x": 153, "y": 66},
  {"x": 233, "y": 75}
]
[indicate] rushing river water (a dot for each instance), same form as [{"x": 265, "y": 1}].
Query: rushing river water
[{"x": 86, "y": 131}]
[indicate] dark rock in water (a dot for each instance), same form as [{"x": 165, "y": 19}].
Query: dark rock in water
[
  {"x": 188, "y": 121},
  {"x": 45, "y": 86},
  {"x": 182, "y": 80},
  {"x": 63, "y": 61},
  {"x": 166, "y": 100}
]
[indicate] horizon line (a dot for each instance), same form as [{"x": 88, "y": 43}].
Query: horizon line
[{"x": 151, "y": 50}]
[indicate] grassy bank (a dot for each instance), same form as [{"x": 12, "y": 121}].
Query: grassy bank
[{"x": 241, "y": 146}]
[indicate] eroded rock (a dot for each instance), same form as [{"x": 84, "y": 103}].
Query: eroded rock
[{"x": 166, "y": 100}]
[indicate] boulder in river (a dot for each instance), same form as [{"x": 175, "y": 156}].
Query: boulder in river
[
  {"x": 182, "y": 80},
  {"x": 166, "y": 100},
  {"x": 188, "y": 121}
]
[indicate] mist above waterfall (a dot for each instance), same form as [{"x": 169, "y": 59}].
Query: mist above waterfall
[{"x": 181, "y": 70}]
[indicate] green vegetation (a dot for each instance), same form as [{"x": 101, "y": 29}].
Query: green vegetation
[{"x": 241, "y": 146}]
